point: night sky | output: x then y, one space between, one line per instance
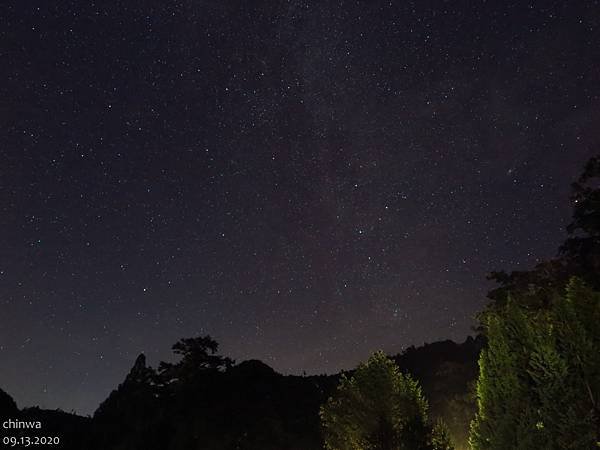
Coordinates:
307 182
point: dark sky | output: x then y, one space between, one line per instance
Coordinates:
305 181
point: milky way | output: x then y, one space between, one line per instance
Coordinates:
305 181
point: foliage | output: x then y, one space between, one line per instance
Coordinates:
578 256
440 437
447 373
197 355
582 248
539 377
249 406
379 408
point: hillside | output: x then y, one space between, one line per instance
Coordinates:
247 406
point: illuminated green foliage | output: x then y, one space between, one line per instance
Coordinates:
539 378
379 408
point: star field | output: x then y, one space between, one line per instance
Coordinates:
305 181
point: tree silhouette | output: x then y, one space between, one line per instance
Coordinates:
197 355
539 377
578 256
582 248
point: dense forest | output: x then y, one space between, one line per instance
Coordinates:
529 380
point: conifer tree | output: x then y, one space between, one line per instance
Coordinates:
539 378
